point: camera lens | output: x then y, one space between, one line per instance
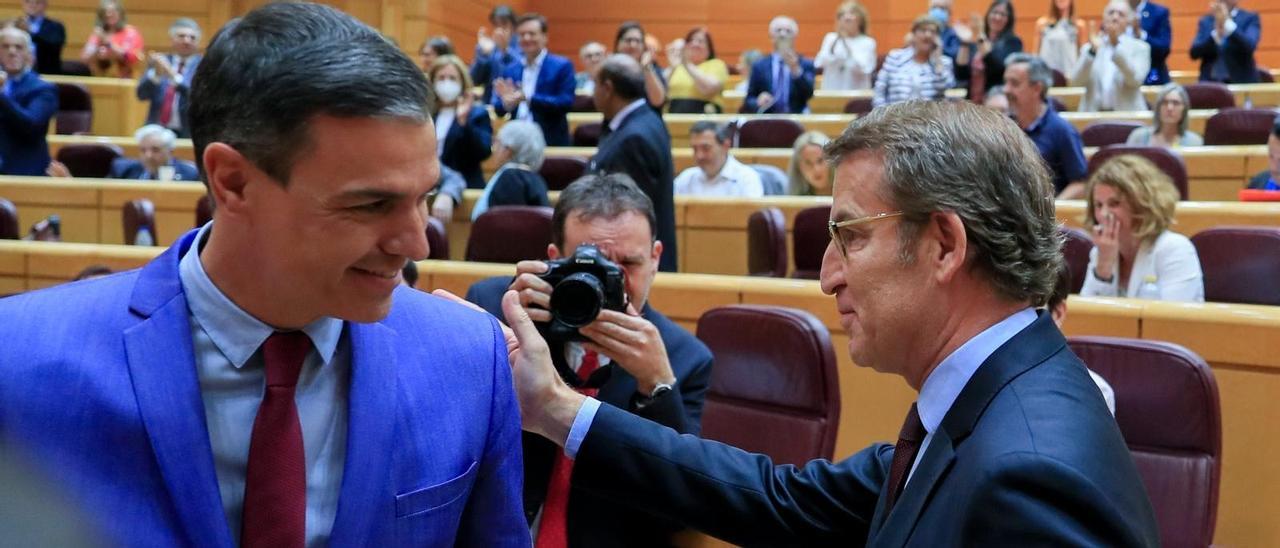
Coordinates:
577 299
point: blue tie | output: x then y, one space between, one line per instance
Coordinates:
782 86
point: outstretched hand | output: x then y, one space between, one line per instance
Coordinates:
547 405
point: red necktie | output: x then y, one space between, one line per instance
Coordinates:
554 529
170 94
904 453
275 491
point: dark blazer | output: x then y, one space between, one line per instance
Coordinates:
519 187
641 148
1155 21
128 168
993 62
24 122
600 522
552 97
466 147
49 43
1236 50
1027 455
154 93
762 81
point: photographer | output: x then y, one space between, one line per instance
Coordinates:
661 371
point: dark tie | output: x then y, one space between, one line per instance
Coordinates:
904 453
170 96
554 529
275 491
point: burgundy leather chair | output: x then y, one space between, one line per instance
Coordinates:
559 171
1168 162
1101 134
1075 250
9 220
861 105
76 68
204 210
1059 79
89 159
809 238
1239 126
510 234
75 110
1265 77
1167 408
1210 95
437 240
767 243
774 389
1241 264
583 103
587 135
769 133
137 214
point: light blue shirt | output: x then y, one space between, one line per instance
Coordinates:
229 366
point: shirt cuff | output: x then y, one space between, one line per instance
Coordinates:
581 425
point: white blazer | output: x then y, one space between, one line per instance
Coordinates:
1171 259
1132 61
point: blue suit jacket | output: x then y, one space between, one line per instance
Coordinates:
466 147
128 168
1236 50
49 43
1027 455
154 92
762 81
24 122
103 393
1155 21
641 148
552 97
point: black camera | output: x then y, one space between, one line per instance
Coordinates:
582 285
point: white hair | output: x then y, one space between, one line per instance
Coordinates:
167 137
26 36
185 23
524 140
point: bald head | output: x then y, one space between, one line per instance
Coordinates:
624 75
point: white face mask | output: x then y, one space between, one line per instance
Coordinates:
448 90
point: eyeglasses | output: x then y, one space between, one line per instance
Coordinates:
833 228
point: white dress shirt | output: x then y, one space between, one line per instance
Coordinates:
444 121
735 179
529 84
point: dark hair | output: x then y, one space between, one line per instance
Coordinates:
531 16
600 197
624 74
711 47
439 44
410 273
92 271
1275 128
502 12
1008 27
623 29
723 132
1056 14
265 76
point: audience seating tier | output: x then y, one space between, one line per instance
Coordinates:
1241 264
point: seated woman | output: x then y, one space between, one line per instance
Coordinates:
1169 122
847 56
115 48
464 133
630 40
918 71
1113 65
518 149
1129 208
808 173
698 79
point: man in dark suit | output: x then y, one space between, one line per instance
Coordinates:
48 36
1009 442
661 373
782 82
635 141
1225 41
27 103
540 87
167 82
1151 24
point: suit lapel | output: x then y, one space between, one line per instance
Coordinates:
894 528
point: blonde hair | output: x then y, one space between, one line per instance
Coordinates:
458 64
796 183
856 9
1149 192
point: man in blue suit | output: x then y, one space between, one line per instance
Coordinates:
1152 25
48 36
268 381
782 82
1225 41
540 87
1009 442
167 82
27 103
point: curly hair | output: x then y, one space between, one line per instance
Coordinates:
1148 191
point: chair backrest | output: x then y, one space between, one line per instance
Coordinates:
1059 79
769 133
583 103
587 135
437 240
774 389
510 234
89 159
1075 250
772 178
809 239
9 220
1168 162
767 243
48 229
136 215
559 171
1241 264
1265 77
1101 134
1239 126
1167 409
75 110
860 105
76 68
1210 95
204 210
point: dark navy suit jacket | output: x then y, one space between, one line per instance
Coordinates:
600 522
49 43
466 147
762 81
1155 21
128 168
1236 50
641 148
154 92
552 97
24 122
1027 455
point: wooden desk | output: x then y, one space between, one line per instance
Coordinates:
183 148
91 208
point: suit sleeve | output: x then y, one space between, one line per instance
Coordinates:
1161 37
755 86
476 143
802 86
1203 45
31 119
559 99
496 101
1245 39
147 89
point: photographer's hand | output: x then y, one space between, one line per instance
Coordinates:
634 344
535 293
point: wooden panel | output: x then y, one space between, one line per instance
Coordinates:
1193 217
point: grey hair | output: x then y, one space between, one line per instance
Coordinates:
167 136
185 23
1037 70
31 46
976 163
796 183
525 141
1186 107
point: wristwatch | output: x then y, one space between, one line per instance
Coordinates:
659 390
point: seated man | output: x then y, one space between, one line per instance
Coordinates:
661 372
718 173
592 55
27 103
167 81
1026 85
1270 178
156 162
